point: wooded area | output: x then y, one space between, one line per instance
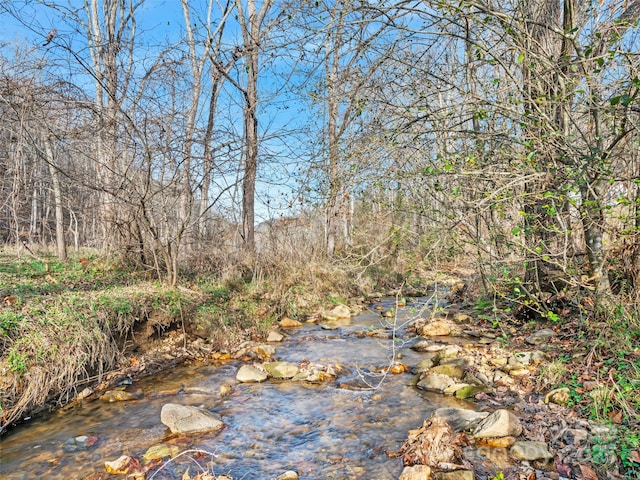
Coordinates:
391 133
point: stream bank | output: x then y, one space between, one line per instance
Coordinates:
374 381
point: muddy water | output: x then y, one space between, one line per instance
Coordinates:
320 431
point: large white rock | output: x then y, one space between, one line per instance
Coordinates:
435 382
187 419
250 374
501 423
528 450
458 418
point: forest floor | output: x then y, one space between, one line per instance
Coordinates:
71 330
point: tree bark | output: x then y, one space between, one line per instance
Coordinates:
61 243
251 23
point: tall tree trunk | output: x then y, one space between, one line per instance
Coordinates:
332 64
593 228
251 24
57 196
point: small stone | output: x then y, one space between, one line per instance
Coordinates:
475 379
286 322
330 326
281 369
74 444
436 328
513 363
87 392
451 389
449 370
519 372
435 382
540 337
463 318
117 396
499 361
397 368
458 419
527 450
528 358
422 345
559 396
263 351
575 436
416 472
288 475
461 362
250 374
274 336
339 312
501 423
425 364
189 419
498 442
225 390
456 475
450 351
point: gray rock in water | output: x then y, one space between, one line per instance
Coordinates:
501 423
425 364
187 419
288 475
422 345
250 374
435 382
540 337
459 419
530 451
281 369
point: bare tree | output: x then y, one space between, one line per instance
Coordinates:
252 26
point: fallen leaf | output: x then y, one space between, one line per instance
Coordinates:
588 473
123 465
615 416
10 300
635 456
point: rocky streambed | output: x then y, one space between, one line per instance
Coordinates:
396 391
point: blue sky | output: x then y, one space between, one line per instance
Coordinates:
160 22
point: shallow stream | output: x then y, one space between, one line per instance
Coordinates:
321 431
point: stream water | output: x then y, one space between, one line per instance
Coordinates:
321 431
